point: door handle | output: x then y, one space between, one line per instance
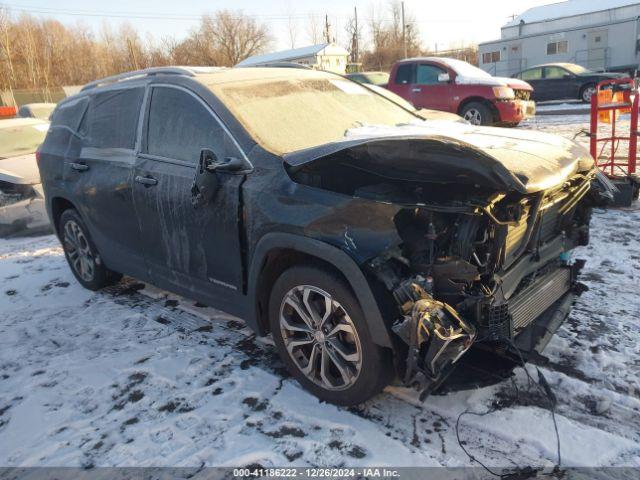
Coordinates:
416 90
80 167
146 181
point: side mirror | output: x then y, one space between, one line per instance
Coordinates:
444 78
207 160
229 164
205 183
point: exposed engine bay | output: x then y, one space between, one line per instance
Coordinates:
477 264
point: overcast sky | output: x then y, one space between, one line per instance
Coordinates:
442 22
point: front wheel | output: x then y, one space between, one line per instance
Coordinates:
477 113
81 253
321 335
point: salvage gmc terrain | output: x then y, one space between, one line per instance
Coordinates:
368 241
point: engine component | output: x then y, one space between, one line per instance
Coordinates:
436 335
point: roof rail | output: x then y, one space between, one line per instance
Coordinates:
276 65
187 71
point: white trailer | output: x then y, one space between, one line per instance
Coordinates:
599 35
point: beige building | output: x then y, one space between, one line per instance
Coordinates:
325 56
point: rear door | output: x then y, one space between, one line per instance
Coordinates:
427 91
195 251
98 172
402 80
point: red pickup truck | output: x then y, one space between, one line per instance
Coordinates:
459 87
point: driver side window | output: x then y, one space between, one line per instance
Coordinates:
554 72
428 74
180 126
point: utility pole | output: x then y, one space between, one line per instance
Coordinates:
404 35
327 37
355 36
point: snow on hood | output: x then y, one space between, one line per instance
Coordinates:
21 170
494 82
539 160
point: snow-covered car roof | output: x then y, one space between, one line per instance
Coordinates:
467 74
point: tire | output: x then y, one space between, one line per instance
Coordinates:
477 113
368 367
81 253
587 92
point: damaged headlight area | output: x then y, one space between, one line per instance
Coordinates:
482 272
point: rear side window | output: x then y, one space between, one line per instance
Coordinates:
404 74
112 118
69 114
179 125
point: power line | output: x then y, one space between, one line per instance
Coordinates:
191 17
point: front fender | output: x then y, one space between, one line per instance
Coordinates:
334 256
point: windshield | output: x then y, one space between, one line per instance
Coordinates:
21 139
575 69
292 110
465 69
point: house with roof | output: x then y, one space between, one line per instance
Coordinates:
324 56
601 35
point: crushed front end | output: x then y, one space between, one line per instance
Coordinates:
470 235
496 274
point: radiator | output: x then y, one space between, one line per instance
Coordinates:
508 319
531 302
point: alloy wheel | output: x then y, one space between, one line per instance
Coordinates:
473 116
320 337
79 251
588 93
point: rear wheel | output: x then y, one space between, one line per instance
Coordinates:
321 334
587 92
81 253
477 113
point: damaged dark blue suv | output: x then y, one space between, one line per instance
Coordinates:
368 241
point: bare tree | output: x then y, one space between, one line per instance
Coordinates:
354 37
236 36
8 80
292 25
315 28
44 53
387 38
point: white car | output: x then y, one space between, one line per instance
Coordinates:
21 199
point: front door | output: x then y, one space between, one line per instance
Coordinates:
533 76
557 82
429 90
191 250
99 172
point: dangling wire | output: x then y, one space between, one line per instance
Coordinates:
542 385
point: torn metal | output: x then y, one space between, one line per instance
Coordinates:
434 332
482 246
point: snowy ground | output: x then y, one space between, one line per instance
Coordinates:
133 377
